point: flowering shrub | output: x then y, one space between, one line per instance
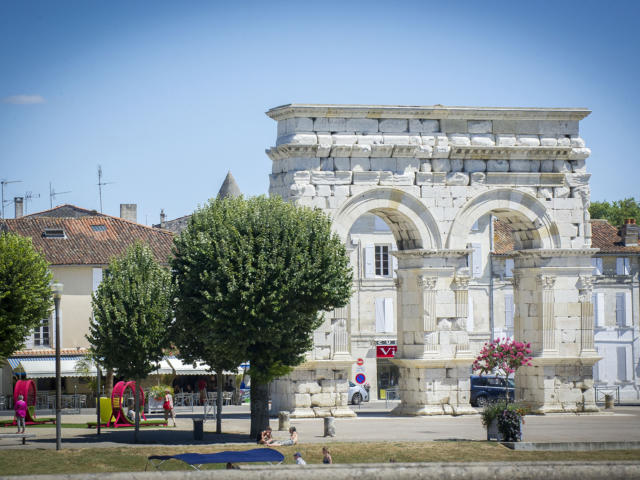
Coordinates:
509 425
502 355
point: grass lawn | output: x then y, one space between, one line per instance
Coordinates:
21 461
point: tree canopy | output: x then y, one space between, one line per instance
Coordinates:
25 291
617 211
252 277
132 313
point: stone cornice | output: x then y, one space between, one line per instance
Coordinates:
421 253
425 112
557 252
510 153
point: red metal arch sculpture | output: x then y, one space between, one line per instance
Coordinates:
26 388
121 392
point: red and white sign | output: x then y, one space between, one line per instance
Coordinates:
386 351
360 361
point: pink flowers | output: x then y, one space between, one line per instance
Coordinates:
502 354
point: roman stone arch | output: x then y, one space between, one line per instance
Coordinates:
412 224
528 217
430 173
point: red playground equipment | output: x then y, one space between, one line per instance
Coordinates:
122 404
27 388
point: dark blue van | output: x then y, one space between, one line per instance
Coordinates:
489 388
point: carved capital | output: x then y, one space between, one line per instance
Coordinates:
585 287
546 281
427 282
460 283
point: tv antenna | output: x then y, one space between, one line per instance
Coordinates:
28 196
6 182
101 184
53 194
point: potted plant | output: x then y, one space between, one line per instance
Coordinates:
503 419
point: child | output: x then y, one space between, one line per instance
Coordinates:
167 406
21 412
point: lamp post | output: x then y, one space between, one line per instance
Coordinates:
57 294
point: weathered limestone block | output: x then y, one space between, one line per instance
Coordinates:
577 179
505 140
323 178
308 387
423 151
302 190
528 140
370 139
519 165
384 163
429 140
476 178
324 124
454 125
322 400
328 385
341 150
366 178
545 192
341 163
340 190
357 189
423 126
548 141
323 190
382 151
579 153
393 125
479 126
561 166
561 192
425 165
534 165
295 164
342 386
343 178
546 166
457 178
343 139
577 142
459 139
441 152
407 165
302 400
579 166
474 166
564 141
361 150
326 164
424 178
456 164
360 164
362 125
386 178
497 165
485 140
298 139
337 201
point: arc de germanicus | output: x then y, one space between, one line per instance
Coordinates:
430 173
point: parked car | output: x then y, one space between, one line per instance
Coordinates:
489 388
357 394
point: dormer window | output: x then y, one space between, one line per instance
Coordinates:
54 233
99 228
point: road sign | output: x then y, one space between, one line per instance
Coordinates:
360 378
360 361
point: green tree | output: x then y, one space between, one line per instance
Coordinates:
252 277
132 313
617 211
25 292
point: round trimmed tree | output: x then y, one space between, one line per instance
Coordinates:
252 279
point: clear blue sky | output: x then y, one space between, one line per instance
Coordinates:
168 96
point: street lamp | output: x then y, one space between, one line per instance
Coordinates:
57 294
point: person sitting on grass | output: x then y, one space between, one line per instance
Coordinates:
299 459
265 437
293 438
326 456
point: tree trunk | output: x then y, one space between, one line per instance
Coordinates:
108 383
259 407
136 395
219 404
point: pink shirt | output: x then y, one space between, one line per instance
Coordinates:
21 408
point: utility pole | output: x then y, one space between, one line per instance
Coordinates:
101 184
53 194
6 182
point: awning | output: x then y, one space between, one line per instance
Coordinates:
164 368
182 368
45 367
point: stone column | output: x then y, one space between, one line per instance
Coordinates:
460 287
428 285
548 324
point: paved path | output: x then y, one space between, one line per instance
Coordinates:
372 424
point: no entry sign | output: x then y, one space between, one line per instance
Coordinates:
360 361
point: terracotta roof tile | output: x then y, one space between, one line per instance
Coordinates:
83 245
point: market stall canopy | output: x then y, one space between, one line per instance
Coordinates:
164 368
182 368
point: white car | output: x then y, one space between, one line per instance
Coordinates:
357 394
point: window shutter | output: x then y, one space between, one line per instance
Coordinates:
620 307
476 260
627 266
599 310
619 266
470 320
508 267
394 264
597 377
627 310
97 278
380 315
369 261
388 315
621 355
508 311
597 265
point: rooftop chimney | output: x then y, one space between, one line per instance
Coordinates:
163 217
630 232
19 204
129 211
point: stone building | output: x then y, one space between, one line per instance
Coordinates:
437 176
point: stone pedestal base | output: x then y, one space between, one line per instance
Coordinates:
434 387
558 384
314 389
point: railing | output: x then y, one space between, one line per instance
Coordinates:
602 390
390 394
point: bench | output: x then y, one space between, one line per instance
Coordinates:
24 436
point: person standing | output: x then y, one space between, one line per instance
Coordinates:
299 459
21 413
167 406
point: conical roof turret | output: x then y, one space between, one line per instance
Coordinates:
229 187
